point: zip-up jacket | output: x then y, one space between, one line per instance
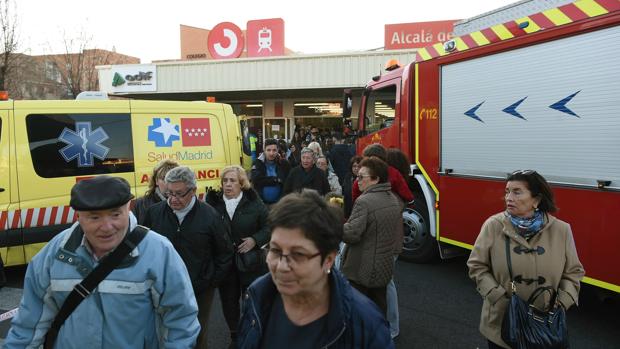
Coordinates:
146 302
202 240
353 321
259 176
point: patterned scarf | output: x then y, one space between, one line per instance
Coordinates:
527 227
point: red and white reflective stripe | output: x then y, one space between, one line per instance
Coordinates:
37 217
42 216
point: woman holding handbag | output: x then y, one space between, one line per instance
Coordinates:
524 251
247 216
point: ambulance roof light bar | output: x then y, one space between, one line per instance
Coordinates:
91 95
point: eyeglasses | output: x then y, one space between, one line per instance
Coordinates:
360 177
293 259
169 194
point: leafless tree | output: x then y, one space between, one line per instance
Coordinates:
9 41
77 63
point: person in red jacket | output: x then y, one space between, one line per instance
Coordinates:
399 184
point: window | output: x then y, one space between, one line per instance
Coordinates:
330 108
380 109
63 145
248 109
51 71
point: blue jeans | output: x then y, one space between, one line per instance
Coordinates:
338 261
392 307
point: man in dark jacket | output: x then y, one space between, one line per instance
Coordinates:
307 175
198 233
340 156
269 172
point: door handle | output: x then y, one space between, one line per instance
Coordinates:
1 190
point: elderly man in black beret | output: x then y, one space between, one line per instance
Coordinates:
199 233
146 301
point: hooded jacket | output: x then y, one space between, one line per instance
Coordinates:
146 302
549 257
353 321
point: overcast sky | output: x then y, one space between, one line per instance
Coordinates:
149 30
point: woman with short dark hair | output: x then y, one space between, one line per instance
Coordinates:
369 233
397 180
542 252
303 302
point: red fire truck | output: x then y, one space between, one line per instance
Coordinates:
540 92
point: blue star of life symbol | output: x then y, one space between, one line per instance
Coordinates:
83 144
163 133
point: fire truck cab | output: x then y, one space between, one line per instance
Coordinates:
538 92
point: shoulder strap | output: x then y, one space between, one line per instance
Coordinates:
509 262
84 288
508 258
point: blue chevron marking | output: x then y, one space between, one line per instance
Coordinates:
472 112
512 109
561 105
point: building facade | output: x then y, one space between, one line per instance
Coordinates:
59 76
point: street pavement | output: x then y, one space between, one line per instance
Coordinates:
439 308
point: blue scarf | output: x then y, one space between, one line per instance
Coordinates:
527 227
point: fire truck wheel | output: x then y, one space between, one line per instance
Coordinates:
419 246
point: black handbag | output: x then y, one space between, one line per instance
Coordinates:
526 327
249 261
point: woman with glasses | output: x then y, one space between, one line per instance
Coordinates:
247 216
369 233
542 253
303 302
156 190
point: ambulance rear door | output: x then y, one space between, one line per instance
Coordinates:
11 250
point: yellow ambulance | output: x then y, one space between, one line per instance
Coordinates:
46 146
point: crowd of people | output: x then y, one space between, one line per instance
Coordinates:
302 252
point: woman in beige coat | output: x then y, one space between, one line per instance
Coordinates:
542 250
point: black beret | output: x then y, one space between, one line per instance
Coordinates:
100 193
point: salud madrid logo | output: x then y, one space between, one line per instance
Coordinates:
192 132
83 144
